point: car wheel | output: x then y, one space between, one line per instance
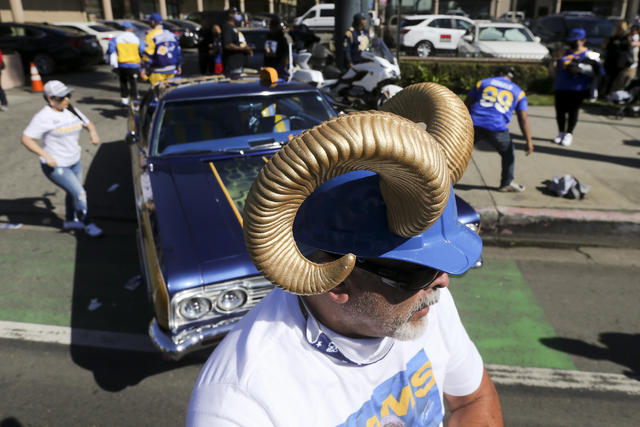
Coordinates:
44 63
424 49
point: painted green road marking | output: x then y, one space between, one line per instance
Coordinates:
52 278
503 317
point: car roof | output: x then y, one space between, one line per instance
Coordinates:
498 24
214 86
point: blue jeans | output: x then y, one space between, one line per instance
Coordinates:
501 141
69 178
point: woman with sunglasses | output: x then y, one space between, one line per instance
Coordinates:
58 124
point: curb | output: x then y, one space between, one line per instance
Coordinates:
560 226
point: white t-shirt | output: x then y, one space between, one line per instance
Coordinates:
60 131
266 373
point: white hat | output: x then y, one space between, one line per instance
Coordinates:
56 88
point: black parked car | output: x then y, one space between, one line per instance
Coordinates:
191 31
49 47
553 29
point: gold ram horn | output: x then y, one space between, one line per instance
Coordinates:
446 117
414 183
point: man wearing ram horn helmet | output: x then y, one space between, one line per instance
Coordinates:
355 222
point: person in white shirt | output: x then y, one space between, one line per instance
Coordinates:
58 124
355 222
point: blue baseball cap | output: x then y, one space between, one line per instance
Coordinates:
576 34
155 17
128 25
359 16
347 214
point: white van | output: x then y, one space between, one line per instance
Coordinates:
318 17
321 17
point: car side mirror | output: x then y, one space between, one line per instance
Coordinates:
468 37
537 39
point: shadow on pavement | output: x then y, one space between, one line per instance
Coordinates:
31 211
10 422
568 152
104 267
631 142
474 187
620 348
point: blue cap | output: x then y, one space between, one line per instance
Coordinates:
155 17
128 25
358 16
348 215
576 34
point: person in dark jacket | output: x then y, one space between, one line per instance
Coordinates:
618 56
276 48
209 47
233 52
355 41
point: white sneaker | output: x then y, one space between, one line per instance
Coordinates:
513 187
567 139
124 101
558 139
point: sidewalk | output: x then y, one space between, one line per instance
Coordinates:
605 154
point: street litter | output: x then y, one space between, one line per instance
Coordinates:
113 187
94 304
567 186
9 226
133 283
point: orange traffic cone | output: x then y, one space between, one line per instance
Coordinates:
36 81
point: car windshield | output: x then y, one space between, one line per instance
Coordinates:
593 28
219 124
100 28
503 34
379 48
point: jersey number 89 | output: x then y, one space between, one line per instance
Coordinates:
500 99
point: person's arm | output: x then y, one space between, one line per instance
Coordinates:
93 133
480 408
33 146
348 61
523 122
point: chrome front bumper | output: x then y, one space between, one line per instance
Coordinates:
176 346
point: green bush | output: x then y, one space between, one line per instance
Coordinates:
461 76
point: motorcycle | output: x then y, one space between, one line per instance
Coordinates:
366 85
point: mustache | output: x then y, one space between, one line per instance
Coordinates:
431 298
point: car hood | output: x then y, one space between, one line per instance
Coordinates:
199 203
501 49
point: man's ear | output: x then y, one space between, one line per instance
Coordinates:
339 294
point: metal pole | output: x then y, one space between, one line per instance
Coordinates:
106 10
398 30
199 6
17 11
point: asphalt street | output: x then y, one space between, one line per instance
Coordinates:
557 326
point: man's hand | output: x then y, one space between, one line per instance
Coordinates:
529 148
143 75
179 71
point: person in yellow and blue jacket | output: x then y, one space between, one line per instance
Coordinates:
162 55
127 48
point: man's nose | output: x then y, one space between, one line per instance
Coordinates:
442 281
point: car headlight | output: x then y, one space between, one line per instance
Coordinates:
194 308
473 226
231 299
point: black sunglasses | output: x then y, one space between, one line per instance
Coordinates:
398 275
60 98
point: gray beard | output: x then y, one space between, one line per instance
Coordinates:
407 330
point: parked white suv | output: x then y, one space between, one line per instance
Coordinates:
437 33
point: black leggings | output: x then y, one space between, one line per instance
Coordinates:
568 104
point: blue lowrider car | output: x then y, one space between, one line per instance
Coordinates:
196 147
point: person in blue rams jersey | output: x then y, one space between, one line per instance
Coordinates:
162 57
355 41
491 103
355 221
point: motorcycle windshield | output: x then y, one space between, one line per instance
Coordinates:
379 48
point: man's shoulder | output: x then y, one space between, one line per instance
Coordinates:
256 344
